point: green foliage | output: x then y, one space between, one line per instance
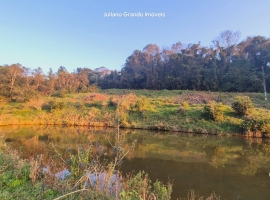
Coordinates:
178 68
183 108
130 195
50 194
242 105
162 191
139 187
80 105
165 110
111 102
80 161
24 95
214 111
7 161
93 88
123 119
256 124
3 101
139 183
94 113
57 105
14 173
125 103
187 70
185 104
143 104
24 172
60 94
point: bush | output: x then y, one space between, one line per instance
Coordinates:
214 111
24 95
123 103
126 102
60 94
258 124
94 113
143 104
185 104
96 97
162 191
242 105
57 105
3 102
35 104
139 187
183 108
93 88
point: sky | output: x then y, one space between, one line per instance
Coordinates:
73 34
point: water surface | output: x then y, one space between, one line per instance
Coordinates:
235 168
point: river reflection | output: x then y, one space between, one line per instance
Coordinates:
234 168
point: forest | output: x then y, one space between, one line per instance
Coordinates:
226 66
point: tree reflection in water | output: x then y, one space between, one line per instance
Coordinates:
216 155
237 164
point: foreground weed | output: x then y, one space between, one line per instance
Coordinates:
191 196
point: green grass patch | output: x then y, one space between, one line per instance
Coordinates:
150 109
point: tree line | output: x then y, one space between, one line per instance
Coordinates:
225 66
19 83
228 65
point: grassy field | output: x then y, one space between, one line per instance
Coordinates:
167 110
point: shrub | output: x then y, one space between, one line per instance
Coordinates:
94 113
96 97
123 119
256 124
214 111
24 95
3 101
162 191
35 104
113 101
183 108
60 94
185 104
104 104
139 187
124 103
242 105
143 104
93 88
57 105
80 105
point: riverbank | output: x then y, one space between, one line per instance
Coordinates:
180 111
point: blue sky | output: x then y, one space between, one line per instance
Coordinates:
69 33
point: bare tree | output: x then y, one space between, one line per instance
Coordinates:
14 71
227 38
177 47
